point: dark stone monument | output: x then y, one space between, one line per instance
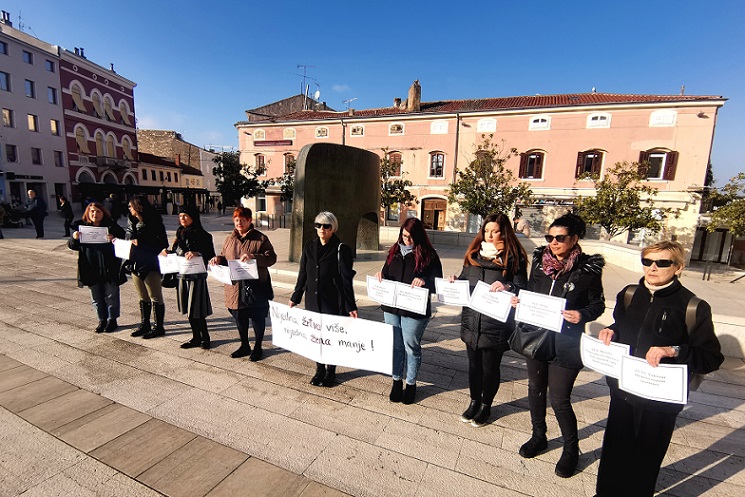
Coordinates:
339 179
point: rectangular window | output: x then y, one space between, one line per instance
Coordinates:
35 155
175 177
49 65
531 165
4 81
54 126
59 159
152 174
11 153
589 162
162 176
33 123
52 95
3 48
168 176
8 118
261 202
437 166
28 57
30 88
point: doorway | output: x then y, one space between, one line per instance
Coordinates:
433 213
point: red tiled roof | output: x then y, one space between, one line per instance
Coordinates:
504 103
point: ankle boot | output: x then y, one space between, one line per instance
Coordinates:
101 326
534 446
258 352
204 333
196 338
409 394
111 325
330 377
158 330
471 411
482 416
568 461
245 348
144 327
397 391
320 373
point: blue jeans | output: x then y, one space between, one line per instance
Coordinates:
407 345
105 300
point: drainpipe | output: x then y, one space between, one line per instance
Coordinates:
343 132
457 138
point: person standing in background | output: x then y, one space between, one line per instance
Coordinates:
36 208
66 211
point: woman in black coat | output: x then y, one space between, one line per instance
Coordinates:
325 277
495 257
148 235
98 268
66 211
561 269
192 294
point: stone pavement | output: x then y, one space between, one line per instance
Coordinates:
108 414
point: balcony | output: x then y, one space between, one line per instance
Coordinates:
111 163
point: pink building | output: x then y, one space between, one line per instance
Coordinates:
559 137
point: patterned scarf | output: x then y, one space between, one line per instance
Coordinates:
553 267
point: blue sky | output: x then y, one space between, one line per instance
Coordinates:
199 65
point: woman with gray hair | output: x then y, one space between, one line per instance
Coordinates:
325 276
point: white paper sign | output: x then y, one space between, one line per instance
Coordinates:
221 274
605 359
456 293
195 265
541 310
382 292
168 263
411 298
493 304
339 340
93 234
248 270
122 248
665 383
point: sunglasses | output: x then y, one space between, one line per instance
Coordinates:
559 238
322 225
661 263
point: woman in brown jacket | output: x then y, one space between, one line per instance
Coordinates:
248 299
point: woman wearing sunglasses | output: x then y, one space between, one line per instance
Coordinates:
561 269
411 260
325 277
654 324
495 257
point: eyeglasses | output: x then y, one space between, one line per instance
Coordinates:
322 225
661 263
559 238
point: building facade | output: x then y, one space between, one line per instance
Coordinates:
558 138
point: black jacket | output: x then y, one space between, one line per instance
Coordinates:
658 320
96 261
477 330
402 269
325 281
582 287
193 239
66 211
151 240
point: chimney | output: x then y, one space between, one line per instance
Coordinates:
177 159
77 51
397 102
111 67
414 102
351 112
82 52
682 89
6 19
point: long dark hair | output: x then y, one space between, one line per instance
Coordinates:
145 209
512 248
423 248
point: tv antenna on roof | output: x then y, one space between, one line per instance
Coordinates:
348 101
303 86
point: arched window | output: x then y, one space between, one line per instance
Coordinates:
96 100
436 165
322 132
260 164
110 146
77 98
100 151
124 111
486 125
395 160
396 129
531 165
289 133
107 108
81 139
127 148
259 134
663 118
289 163
540 123
659 163
598 120
589 162
357 130
438 128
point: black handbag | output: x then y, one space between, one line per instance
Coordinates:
169 280
533 341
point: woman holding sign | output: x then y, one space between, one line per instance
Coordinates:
248 300
561 269
411 260
662 322
192 294
325 277
98 268
495 257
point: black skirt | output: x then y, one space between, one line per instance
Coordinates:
193 297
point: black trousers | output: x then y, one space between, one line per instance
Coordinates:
242 318
559 382
39 225
68 225
483 373
634 445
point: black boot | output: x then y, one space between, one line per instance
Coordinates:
535 445
258 352
330 377
196 338
397 391
205 334
482 416
245 348
320 373
144 327
568 460
471 411
409 394
538 441
101 326
160 314
111 325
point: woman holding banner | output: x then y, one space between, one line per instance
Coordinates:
561 269
248 300
192 294
411 260
98 268
495 257
652 318
325 277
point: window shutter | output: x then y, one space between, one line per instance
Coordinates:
523 171
597 162
538 171
643 163
580 160
671 164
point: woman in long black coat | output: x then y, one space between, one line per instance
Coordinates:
98 268
325 277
